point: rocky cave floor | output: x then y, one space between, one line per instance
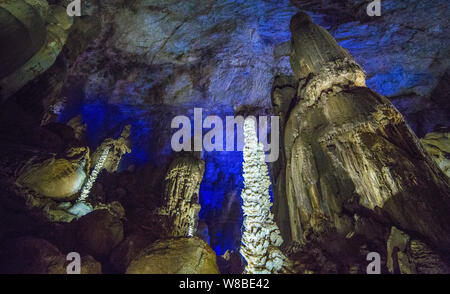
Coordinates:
143 62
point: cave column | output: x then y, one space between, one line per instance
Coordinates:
261 237
347 149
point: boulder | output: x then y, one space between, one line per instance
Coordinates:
412 256
40 57
57 178
98 233
175 256
22 34
437 144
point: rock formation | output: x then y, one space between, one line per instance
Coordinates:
351 178
348 155
39 31
182 184
261 237
107 156
78 127
116 149
58 178
409 256
437 144
175 256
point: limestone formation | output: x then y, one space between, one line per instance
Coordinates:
175 256
182 184
346 149
78 127
117 148
437 144
22 34
57 178
108 157
410 256
98 233
260 238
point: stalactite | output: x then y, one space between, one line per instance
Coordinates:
261 237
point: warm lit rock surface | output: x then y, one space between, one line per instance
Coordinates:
22 34
128 249
182 184
143 62
407 256
405 52
57 25
57 178
349 155
175 256
437 144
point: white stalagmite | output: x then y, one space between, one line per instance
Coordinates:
97 169
107 156
81 207
261 236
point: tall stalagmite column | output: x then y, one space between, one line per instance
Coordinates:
261 237
348 153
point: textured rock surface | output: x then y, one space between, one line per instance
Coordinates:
98 233
216 52
261 237
437 144
143 62
22 34
123 254
175 256
57 178
181 195
349 152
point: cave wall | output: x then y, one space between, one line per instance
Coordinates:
144 62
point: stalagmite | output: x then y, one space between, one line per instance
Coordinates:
107 156
97 168
346 149
261 237
182 184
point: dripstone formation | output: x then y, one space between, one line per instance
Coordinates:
182 184
261 237
350 166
